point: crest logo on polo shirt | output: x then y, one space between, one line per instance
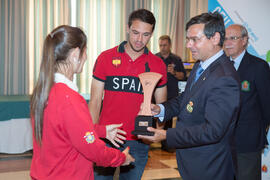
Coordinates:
89 137
116 61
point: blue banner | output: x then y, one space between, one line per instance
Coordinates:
238 12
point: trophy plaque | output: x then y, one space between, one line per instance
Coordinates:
145 118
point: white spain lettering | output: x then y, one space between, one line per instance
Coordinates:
139 87
132 85
116 83
125 81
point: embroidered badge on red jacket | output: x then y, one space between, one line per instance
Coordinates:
89 137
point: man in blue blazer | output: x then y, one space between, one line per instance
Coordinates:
207 110
254 115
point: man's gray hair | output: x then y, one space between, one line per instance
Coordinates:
244 33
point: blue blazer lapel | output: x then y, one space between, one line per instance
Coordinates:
200 82
206 74
244 64
192 76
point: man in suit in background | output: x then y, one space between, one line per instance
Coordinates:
175 72
207 110
254 115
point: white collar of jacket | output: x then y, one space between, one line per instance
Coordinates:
60 78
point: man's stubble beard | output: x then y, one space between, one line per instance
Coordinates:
134 48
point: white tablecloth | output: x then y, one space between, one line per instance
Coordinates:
15 136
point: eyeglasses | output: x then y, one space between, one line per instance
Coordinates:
233 38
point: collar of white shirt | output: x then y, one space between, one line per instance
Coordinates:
210 60
238 60
60 78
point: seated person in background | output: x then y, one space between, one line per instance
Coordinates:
65 141
175 73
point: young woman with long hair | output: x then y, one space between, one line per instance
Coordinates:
65 141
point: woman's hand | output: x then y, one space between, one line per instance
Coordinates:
129 158
115 135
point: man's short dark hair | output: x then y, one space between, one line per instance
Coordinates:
166 37
213 22
143 15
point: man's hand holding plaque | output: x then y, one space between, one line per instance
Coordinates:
157 134
145 118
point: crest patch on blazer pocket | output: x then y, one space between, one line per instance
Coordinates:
190 107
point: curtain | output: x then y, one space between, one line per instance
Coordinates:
105 23
13 61
43 17
193 8
196 7
169 16
25 24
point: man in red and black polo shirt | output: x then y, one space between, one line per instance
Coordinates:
115 76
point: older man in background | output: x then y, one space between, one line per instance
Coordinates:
254 115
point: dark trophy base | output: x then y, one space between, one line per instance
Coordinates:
141 124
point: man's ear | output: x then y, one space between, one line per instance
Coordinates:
216 38
245 41
127 29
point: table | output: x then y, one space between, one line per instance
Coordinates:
15 125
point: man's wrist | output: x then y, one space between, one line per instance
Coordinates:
160 116
164 134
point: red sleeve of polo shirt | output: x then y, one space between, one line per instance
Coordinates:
79 129
163 71
100 65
